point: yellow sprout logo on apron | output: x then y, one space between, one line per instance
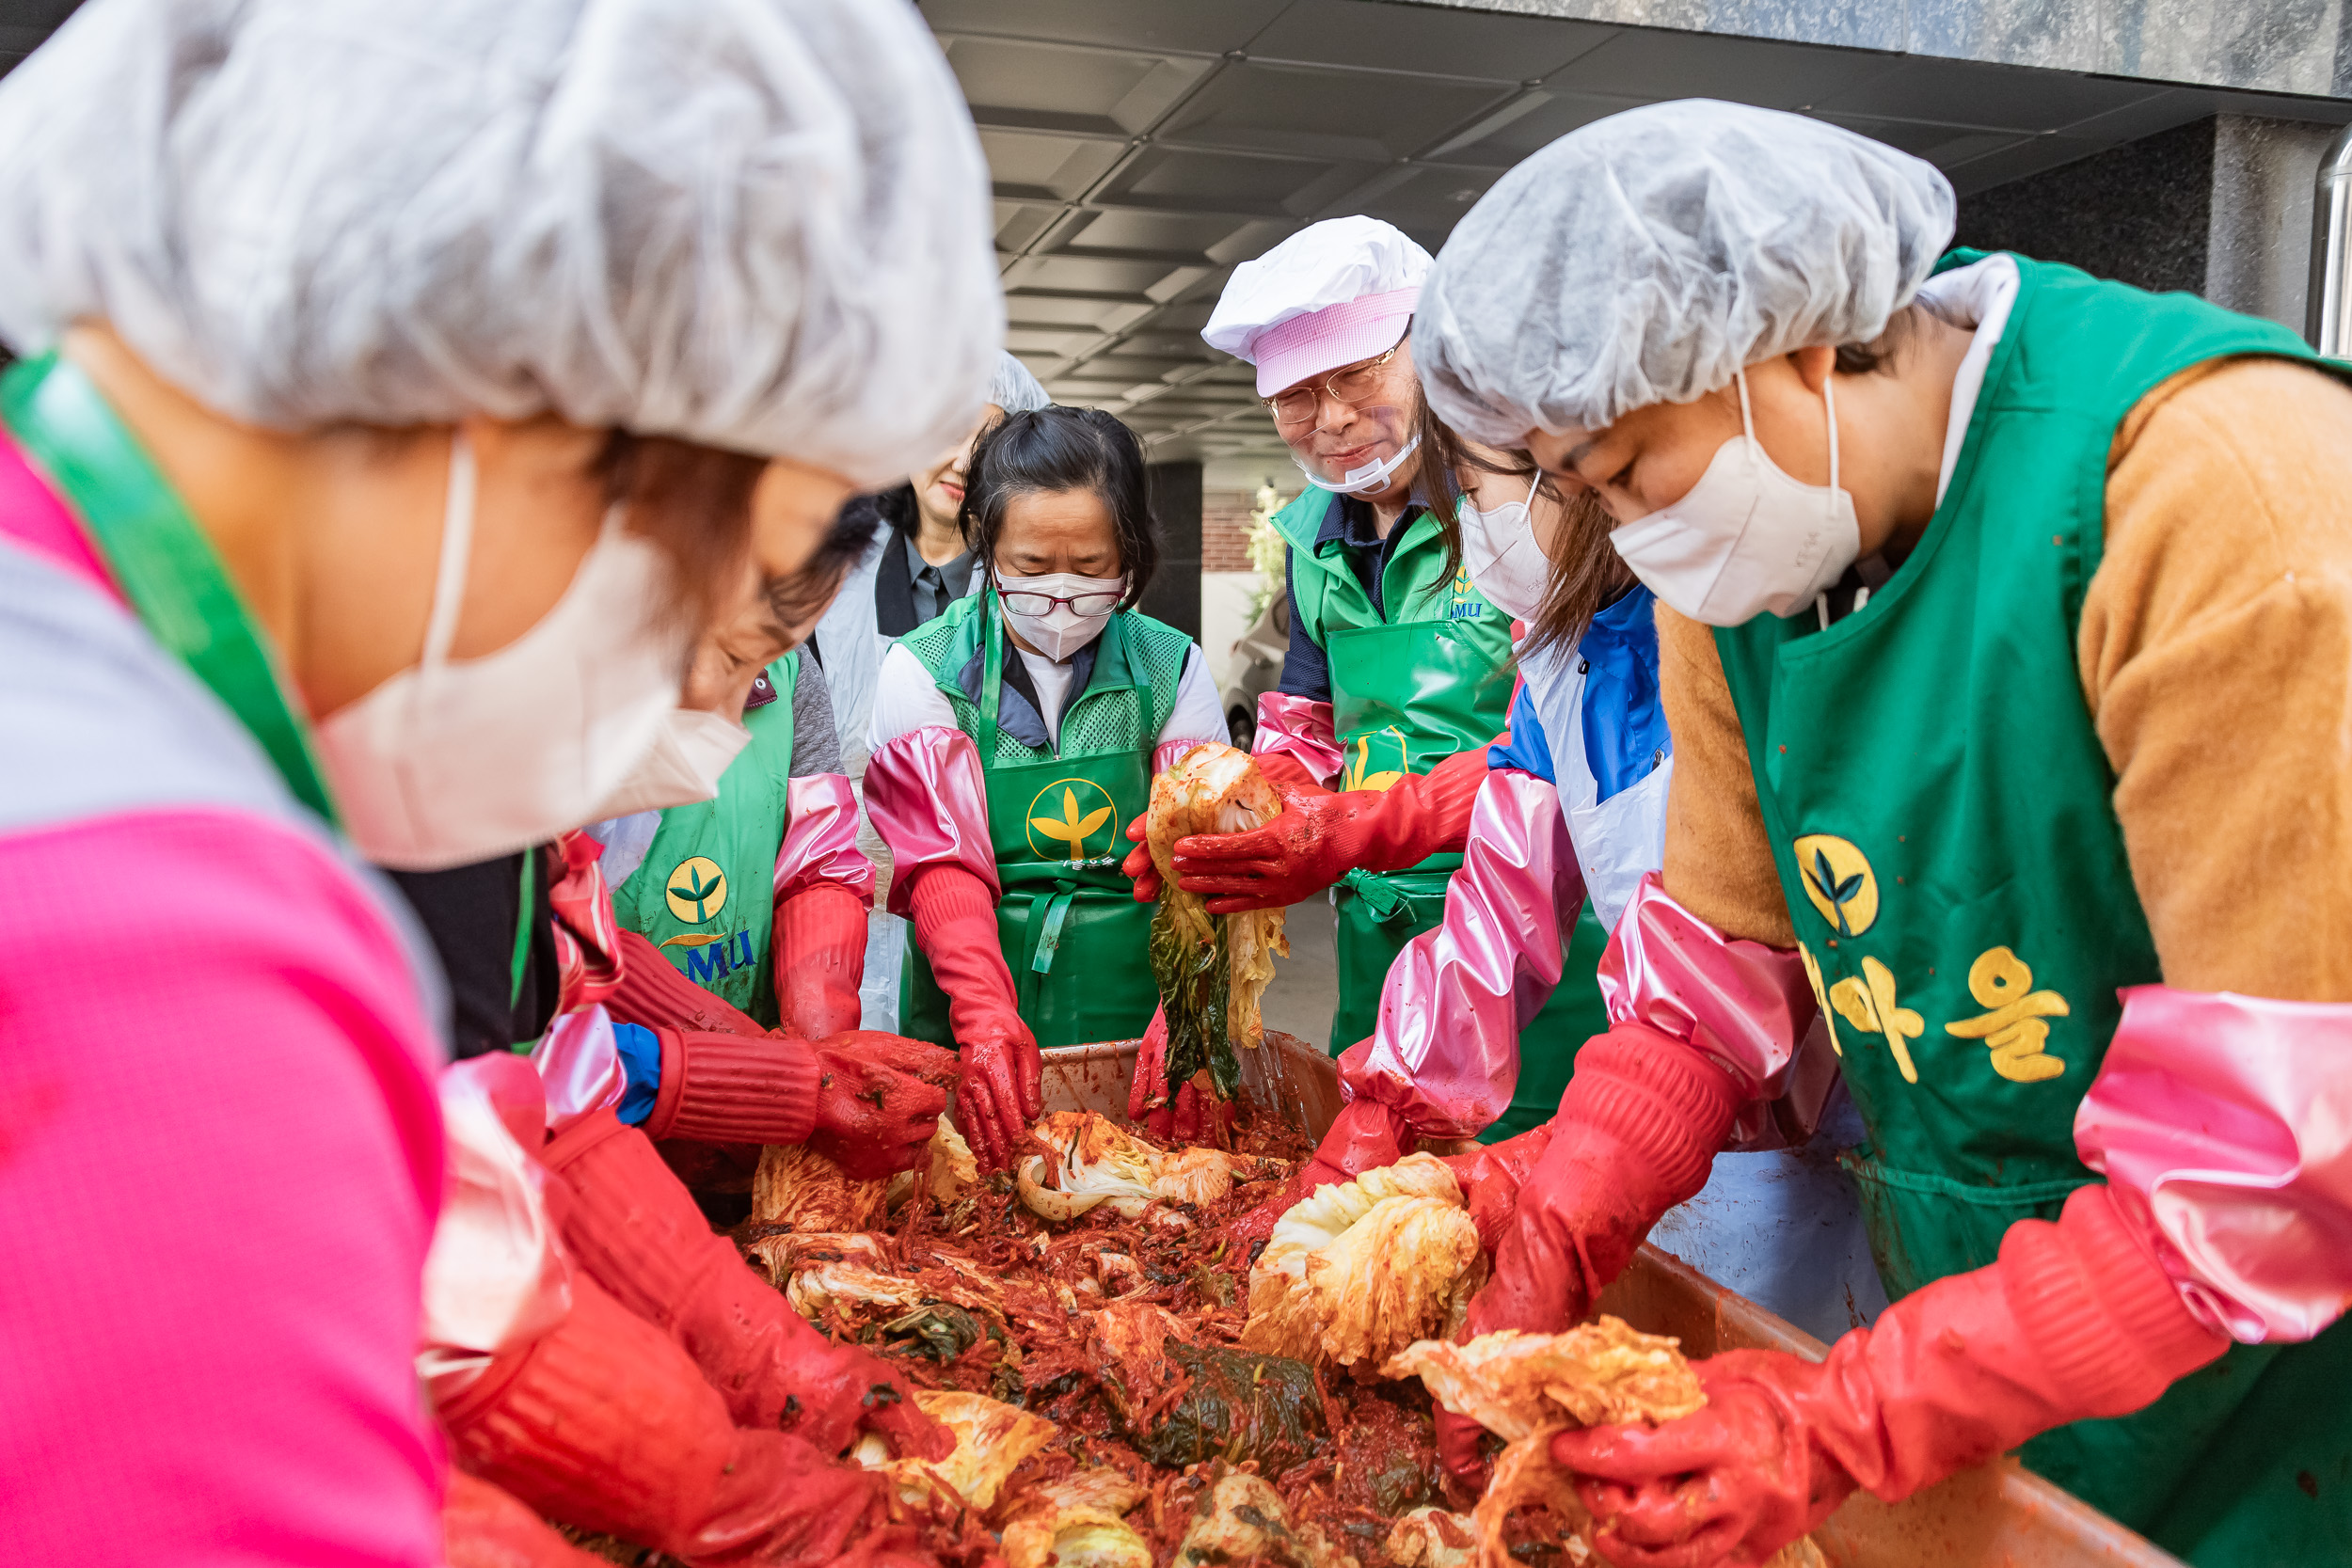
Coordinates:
1067 818
1838 880
1376 761
697 890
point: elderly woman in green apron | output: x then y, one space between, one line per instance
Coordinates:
739 912
1399 672
1011 739
2003 627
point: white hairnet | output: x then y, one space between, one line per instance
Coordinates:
1015 390
1648 257
757 223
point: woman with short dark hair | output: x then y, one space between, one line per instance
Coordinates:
1012 739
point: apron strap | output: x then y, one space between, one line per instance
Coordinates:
1049 938
1380 897
992 676
160 559
1041 938
527 909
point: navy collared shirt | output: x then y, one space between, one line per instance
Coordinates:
1306 672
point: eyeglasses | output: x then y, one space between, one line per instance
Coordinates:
1350 385
1022 602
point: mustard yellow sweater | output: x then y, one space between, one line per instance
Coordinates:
2216 658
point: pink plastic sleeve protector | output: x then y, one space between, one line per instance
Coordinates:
1164 755
1444 1054
587 938
2225 1122
925 797
821 839
580 1065
1741 1004
495 1277
1300 727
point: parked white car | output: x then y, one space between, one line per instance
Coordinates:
1255 666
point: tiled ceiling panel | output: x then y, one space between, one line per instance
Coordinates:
1009 82
1027 164
1320 113
1142 149
1195 27
1181 179
1649 64
1186 236
1413 40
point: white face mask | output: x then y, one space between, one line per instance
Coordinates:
1500 552
1063 630
446 763
1748 538
690 750
1366 477
1391 428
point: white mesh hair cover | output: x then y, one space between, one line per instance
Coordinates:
1648 257
1015 390
757 223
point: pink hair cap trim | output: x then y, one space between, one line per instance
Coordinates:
1290 352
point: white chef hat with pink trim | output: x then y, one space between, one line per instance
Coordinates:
1334 292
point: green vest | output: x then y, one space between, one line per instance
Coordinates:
1408 688
1431 678
1940 813
1073 934
704 894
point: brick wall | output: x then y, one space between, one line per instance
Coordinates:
1225 530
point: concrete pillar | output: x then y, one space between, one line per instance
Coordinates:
1174 596
2221 207
2257 249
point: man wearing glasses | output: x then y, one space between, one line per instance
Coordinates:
1399 671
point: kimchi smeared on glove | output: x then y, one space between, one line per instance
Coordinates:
1211 968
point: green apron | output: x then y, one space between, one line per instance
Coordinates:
1940 812
1074 935
704 894
1409 688
162 561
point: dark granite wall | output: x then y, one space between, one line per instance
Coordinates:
1174 596
2138 213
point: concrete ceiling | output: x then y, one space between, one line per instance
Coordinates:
1142 148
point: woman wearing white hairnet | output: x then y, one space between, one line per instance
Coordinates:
2006 630
395 387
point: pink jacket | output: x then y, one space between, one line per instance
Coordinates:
220 1149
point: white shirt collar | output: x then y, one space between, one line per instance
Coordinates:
1980 294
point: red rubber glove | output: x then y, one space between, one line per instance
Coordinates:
483 1527
1002 1091
727 1088
1636 1134
1364 1136
879 1100
654 993
1191 1116
820 956
1291 787
1319 838
604 1424
1287 774
1492 1177
2076 1320
631 1224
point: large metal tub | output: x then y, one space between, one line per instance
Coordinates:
1997 1515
